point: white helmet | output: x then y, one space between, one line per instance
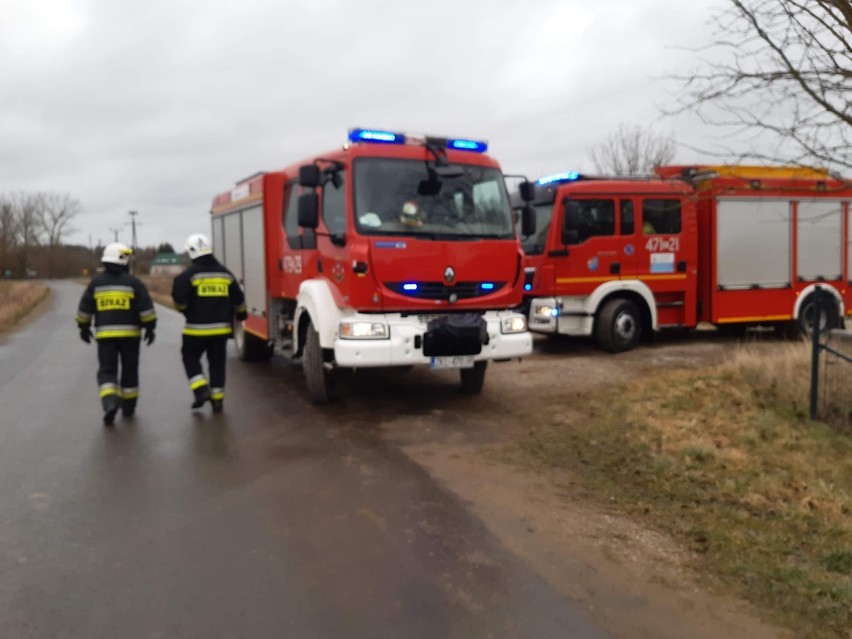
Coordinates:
117 253
198 245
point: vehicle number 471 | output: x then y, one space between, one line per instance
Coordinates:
659 243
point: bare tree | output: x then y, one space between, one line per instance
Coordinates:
633 150
25 208
55 212
781 69
8 235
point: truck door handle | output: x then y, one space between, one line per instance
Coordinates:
615 268
681 266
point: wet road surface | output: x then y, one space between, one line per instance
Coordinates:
269 520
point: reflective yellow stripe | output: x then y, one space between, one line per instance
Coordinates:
206 332
131 395
646 278
146 320
181 307
198 384
577 280
217 395
755 318
84 321
112 390
122 333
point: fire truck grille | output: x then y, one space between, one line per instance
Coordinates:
441 291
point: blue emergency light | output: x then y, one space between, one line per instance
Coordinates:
527 287
379 136
487 286
376 136
409 286
569 176
477 146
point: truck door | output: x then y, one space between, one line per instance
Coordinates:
627 237
589 235
662 258
296 244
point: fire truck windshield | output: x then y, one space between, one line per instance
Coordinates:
409 197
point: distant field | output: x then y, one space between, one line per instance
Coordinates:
17 299
160 288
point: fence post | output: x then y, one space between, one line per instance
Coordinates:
817 315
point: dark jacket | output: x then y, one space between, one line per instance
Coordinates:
208 294
118 302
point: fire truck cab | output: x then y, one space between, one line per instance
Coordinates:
396 250
732 246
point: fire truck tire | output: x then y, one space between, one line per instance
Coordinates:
828 318
472 379
317 378
249 347
619 326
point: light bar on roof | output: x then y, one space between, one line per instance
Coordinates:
379 136
376 136
560 177
477 146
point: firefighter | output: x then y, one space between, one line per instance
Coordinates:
208 294
122 308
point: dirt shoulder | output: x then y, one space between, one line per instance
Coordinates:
636 581
21 301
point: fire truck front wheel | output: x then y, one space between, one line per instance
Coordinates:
317 376
472 379
619 326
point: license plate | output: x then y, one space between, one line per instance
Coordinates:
452 361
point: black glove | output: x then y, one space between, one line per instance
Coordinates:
149 337
86 334
241 316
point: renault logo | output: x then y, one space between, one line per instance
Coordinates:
449 274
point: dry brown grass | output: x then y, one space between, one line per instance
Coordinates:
17 299
725 460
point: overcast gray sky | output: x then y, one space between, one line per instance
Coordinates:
156 106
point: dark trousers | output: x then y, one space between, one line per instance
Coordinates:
216 349
115 353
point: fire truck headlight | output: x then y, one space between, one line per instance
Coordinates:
516 324
546 311
363 330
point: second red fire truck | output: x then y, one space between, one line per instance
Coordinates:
734 246
396 250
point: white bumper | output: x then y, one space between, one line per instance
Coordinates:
400 349
564 315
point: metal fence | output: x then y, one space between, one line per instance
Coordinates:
831 367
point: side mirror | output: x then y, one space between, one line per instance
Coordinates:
570 236
528 221
527 191
309 210
310 176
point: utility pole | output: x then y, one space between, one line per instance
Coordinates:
133 215
115 232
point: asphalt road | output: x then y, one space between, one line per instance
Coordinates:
269 520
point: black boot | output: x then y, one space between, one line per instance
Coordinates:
111 404
217 405
128 407
201 395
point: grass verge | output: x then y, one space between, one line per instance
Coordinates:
17 299
724 460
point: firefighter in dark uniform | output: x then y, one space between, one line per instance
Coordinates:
122 309
210 297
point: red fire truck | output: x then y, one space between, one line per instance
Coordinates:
395 250
734 246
